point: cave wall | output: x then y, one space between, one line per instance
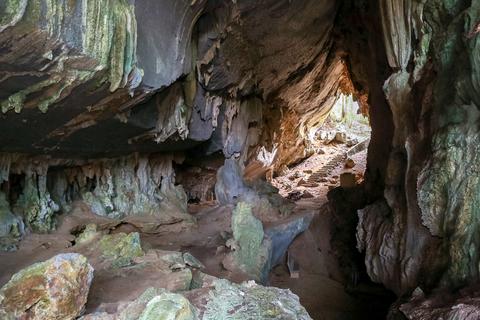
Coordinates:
422 229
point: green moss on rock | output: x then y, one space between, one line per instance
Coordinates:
251 252
169 306
36 204
56 289
120 249
250 301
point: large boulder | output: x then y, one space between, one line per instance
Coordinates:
250 253
257 250
55 289
249 301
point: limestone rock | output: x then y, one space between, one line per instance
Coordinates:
202 280
250 301
250 253
257 251
163 259
340 137
281 234
88 234
191 261
463 305
230 185
120 249
11 226
376 237
56 289
169 306
126 310
349 163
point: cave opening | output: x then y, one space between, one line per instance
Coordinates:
338 157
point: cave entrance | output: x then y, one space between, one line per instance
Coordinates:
338 153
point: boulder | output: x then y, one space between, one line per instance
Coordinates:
55 289
88 234
169 306
250 254
250 301
125 310
282 234
230 185
120 249
153 304
255 250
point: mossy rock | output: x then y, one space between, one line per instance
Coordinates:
169 306
249 301
56 289
120 249
251 251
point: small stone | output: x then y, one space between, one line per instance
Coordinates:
55 289
340 137
162 259
307 195
191 261
302 182
349 163
352 142
320 151
88 234
308 171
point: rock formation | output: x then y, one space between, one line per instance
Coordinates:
105 102
54 289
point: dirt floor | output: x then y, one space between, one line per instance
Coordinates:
320 285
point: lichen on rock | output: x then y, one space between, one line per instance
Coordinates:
83 38
250 252
120 249
35 203
169 306
250 301
56 289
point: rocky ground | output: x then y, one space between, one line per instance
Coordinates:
126 260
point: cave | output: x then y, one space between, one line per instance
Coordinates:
239 159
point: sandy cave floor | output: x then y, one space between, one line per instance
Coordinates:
321 286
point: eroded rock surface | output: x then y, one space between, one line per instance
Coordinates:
221 300
54 289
